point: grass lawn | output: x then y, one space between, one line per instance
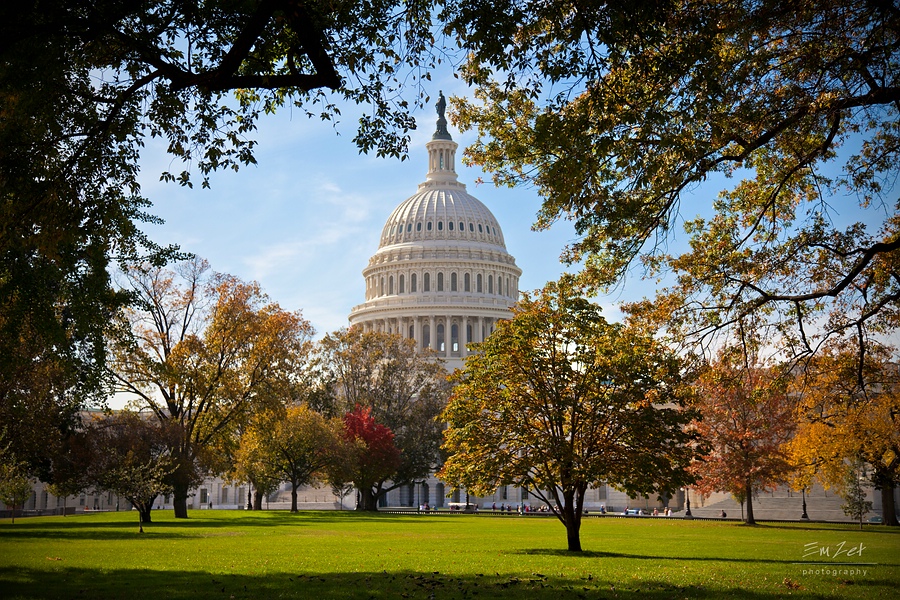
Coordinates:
236 554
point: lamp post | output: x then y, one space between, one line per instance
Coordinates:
804 515
687 512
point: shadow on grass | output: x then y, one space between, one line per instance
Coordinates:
200 524
650 557
23 584
848 527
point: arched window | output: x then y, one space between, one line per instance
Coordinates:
450 225
440 283
468 332
479 228
453 282
419 226
412 283
478 283
408 227
381 290
440 338
426 282
402 284
439 495
412 332
472 227
426 336
440 225
462 226
490 284
454 338
391 285
499 285
467 283
428 226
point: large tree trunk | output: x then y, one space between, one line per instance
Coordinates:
572 505
179 499
368 501
293 497
144 511
749 493
257 500
573 535
888 507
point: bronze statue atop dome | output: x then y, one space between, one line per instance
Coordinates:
441 133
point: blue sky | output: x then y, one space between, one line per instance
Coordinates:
306 219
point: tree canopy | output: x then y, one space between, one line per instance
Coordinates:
746 420
296 444
204 352
404 388
622 115
84 85
849 413
557 399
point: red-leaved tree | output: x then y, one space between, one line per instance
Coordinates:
372 457
747 418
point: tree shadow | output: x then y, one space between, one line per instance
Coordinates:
138 584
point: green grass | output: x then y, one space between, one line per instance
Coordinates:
330 555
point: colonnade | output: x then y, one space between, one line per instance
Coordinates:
447 334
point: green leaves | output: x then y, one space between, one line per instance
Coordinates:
618 131
557 399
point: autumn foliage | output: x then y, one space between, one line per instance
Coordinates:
747 418
373 458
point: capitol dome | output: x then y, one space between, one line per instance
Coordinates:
441 274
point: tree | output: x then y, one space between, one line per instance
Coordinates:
249 465
373 457
557 399
854 492
15 484
616 112
849 411
204 353
296 446
746 419
404 388
84 84
133 459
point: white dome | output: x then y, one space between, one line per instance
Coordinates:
442 214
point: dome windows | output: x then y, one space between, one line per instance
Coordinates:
462 226
472 227
428 226
440 225
419 226
479 228
450 225
408 227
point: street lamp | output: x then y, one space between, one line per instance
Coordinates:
804 515
687 512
